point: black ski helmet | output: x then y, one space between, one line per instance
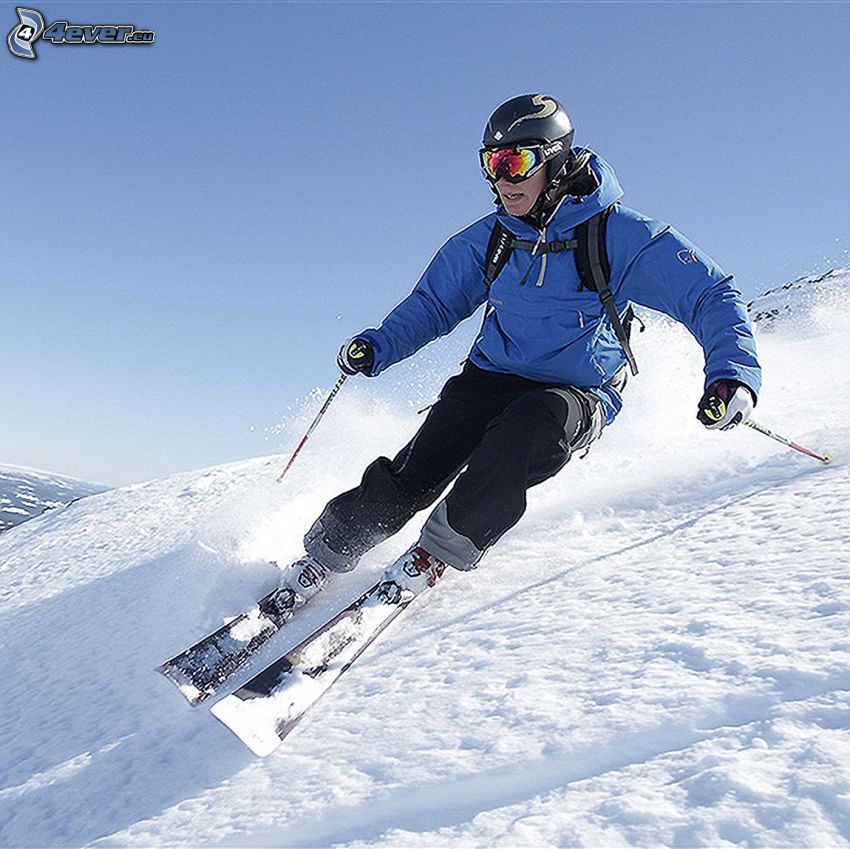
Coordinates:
532 118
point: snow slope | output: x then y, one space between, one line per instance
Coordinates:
25 493
658 654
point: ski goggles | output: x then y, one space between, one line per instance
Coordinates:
516 164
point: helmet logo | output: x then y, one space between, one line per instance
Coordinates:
687 256
548 107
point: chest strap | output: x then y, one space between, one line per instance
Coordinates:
546 247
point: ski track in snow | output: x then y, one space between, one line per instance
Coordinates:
659 654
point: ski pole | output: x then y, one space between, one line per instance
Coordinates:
824 458
337 387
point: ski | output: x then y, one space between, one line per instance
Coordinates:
263 711
200 670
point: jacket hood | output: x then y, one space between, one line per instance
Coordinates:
574 209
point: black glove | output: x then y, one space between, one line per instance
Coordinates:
356 355
725 403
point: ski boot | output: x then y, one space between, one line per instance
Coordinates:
300 582
414 572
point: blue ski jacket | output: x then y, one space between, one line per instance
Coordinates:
549 329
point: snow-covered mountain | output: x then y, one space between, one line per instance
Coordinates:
25 493
657 655
808 298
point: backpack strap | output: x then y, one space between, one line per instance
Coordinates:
594 270
499 250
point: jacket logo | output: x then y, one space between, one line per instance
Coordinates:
687 256
547 107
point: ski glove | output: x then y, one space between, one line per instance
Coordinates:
724 404
356 355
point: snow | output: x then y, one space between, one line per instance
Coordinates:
25 493
658 654
252 626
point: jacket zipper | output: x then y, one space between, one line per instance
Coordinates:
545 257
542 239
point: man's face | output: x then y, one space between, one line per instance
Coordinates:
518 198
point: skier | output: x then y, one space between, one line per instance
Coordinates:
558 264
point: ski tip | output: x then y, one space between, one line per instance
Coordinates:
239 718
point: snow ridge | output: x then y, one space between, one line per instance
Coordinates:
802 299
26 493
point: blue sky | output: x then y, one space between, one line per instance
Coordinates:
191 229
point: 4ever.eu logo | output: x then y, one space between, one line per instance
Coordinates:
31 26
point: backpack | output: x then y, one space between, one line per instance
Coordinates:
591 257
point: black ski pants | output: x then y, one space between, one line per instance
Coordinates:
498 434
